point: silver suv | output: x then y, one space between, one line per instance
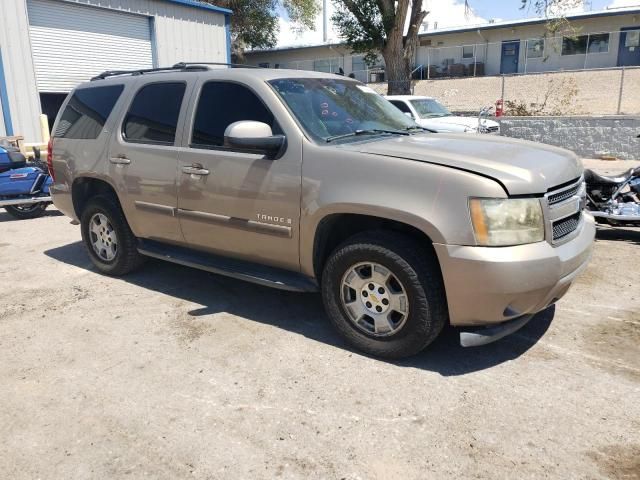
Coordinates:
313 182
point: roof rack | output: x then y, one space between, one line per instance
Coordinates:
180 66
196 64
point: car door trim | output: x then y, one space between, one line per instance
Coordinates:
235 222
155 208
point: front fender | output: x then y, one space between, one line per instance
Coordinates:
312 223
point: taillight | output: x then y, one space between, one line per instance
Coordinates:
50 159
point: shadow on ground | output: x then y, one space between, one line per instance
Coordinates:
303 313
631 235
5 217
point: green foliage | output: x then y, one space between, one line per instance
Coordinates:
558 99
361 27
254 23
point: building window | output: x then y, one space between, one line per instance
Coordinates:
468 51
358 64
599 43
327 65
632 38
535 47
574 45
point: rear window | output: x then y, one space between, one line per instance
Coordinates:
87 111
153 115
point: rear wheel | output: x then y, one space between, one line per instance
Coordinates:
383 291
108 238
25 212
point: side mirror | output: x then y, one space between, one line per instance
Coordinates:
254 137
409 114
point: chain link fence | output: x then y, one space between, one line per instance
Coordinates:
613 91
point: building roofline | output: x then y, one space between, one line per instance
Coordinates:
203 6
284 49
530 21
473 28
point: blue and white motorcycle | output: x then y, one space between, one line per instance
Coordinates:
24 187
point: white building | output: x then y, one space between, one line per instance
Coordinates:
598 39
47 47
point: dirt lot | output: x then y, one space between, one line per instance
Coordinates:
176 373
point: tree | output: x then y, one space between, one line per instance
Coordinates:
390 28
254 23
372 26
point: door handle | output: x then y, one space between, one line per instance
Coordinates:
120 160
195 170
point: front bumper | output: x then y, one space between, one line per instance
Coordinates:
492 285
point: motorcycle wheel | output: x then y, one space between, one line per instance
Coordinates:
25 212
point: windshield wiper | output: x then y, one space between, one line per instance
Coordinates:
418 127
369 131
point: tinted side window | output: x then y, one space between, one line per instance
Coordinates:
220 105
401 105
153 114
87 111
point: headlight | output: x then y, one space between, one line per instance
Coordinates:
509 221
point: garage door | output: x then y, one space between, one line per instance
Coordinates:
72 43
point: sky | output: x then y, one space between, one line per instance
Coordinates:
448 13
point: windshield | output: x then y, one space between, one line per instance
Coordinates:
428 107
329 108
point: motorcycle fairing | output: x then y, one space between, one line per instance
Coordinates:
22 181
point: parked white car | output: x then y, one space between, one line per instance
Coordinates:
429 113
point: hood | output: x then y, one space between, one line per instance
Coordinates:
522 167
453 123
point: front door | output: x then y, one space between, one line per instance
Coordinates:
234 203
629 48
510 56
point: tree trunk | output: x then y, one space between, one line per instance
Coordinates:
399 51
397 70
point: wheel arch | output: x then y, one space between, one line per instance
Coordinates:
85 187
334 228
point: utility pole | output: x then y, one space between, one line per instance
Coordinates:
325 20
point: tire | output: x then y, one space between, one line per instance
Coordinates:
118 260
413 267
25 212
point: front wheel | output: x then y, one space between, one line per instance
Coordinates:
384 293
25 212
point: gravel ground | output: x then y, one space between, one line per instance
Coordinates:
176 373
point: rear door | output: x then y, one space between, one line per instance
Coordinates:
245 205
143 158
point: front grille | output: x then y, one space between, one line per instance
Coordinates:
562 195
493 129
565 226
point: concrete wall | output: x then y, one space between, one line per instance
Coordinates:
589 137
181 33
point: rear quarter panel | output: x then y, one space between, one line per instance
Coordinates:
79 158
